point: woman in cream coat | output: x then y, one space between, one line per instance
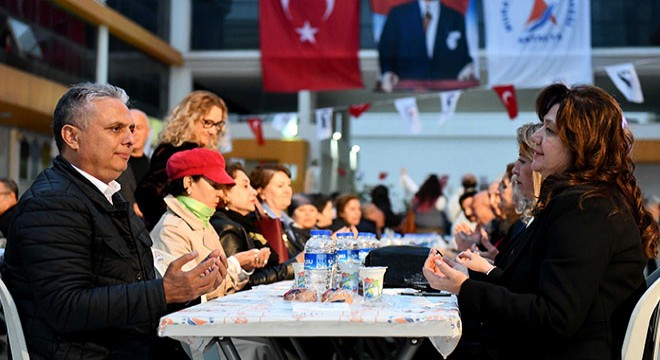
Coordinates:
197 182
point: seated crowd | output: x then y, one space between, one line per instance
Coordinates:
565 222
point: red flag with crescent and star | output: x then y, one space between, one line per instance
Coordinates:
507 95
309 44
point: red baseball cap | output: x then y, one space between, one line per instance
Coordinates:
199 161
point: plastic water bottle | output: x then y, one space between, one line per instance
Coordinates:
319 261
366 242
347 248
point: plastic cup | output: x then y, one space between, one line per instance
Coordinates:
348 275
371 279
299 275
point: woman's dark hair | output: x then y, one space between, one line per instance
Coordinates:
176 188
233 168
467 194
380 196
342 201
262 174
429 192
320 200
590 124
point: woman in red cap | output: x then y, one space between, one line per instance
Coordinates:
197 184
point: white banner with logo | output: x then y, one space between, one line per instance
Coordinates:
533 43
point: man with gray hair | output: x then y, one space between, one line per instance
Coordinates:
78 262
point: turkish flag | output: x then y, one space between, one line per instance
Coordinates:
356 110
309 44
507 95
257 129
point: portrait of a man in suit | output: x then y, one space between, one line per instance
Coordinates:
424 40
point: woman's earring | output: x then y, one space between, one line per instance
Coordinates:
188 191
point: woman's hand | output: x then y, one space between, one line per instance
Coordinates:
491 250
441 276
473 261
465 237
251 259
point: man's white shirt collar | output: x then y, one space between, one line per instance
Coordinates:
106 189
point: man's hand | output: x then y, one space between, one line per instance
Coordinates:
181 286
467 73
388 81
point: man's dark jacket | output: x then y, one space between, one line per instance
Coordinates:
81 271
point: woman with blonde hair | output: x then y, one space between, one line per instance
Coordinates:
196 122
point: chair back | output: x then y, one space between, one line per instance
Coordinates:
641 319
14 327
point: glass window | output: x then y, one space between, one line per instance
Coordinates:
152 15
24 160
144 78
65 48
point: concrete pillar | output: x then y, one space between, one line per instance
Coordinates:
102 40
307 130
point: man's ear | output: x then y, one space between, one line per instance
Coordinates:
70 136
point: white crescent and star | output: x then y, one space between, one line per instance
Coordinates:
307 32
506 95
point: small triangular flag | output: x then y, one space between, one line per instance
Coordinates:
407 108
323 123
625 78
507 95
257 129
356 110
281 120
448 101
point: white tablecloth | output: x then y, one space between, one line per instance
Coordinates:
263 312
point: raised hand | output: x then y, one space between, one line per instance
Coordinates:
181 286
473 261
442 276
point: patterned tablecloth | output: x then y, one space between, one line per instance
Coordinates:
263 312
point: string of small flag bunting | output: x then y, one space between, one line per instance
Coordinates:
624 76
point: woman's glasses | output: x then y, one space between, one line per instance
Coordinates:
207 124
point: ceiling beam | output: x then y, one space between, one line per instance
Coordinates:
123 28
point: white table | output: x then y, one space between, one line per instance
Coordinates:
263 312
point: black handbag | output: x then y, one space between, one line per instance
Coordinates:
404 265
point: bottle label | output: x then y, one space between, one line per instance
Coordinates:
318 261
343 255
363 253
